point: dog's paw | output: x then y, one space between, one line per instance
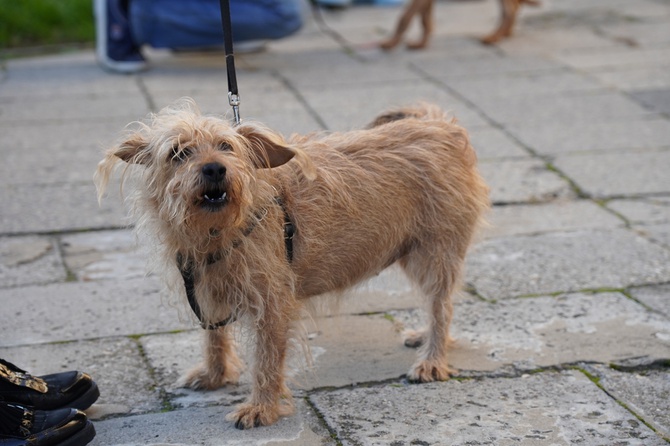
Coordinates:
202 378
429 371
414 338
249 415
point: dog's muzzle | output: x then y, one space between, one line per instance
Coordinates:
214 195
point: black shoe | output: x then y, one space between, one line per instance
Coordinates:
116 49
66 389
24 426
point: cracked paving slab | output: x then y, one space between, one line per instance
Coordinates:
560 408
645 392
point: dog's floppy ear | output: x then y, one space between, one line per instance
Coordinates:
268 148
132 150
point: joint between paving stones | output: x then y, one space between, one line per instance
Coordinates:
151 104
301 99
596 381
322 419
166 403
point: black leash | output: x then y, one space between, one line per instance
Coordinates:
233 95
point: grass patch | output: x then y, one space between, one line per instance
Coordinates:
28 23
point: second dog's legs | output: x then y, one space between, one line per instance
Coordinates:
413 8
426 26
510 9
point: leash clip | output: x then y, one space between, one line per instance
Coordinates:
234 101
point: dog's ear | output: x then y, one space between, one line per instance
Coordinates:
268 148
132 150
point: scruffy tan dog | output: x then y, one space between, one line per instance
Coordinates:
219 197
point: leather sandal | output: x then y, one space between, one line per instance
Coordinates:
24 426
67 389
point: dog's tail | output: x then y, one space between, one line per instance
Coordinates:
421 111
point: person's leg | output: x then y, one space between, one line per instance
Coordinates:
116 48
197 23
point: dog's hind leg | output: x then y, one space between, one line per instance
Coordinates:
221 365
438 275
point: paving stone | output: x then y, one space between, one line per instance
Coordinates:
57 207
631 79
531 84
619 58
73 74
646 393
99 255
494 65
517 181
657 233
618 174
642 34
75 310
654 296
650 210
208 426
656 100
568 109
545 408
587 136
337 109
570 261
29 260
532 38
548 217
545 331
55 145
490 142
63 108
116 365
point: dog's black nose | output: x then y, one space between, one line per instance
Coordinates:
214 172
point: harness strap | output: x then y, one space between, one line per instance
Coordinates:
187 267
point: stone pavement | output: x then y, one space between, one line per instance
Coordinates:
563 332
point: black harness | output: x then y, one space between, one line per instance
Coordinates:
187 266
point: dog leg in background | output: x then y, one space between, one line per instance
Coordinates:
423 7
510 9
426 27
221 366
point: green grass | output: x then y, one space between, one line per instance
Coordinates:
31 23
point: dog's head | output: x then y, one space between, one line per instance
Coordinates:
198 172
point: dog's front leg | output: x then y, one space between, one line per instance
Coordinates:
270 397
221 365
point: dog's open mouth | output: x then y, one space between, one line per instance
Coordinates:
214 199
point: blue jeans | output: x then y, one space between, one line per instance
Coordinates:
197 23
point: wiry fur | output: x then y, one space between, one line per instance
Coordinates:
406 189
424 9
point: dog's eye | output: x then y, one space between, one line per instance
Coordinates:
180 154
225 147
